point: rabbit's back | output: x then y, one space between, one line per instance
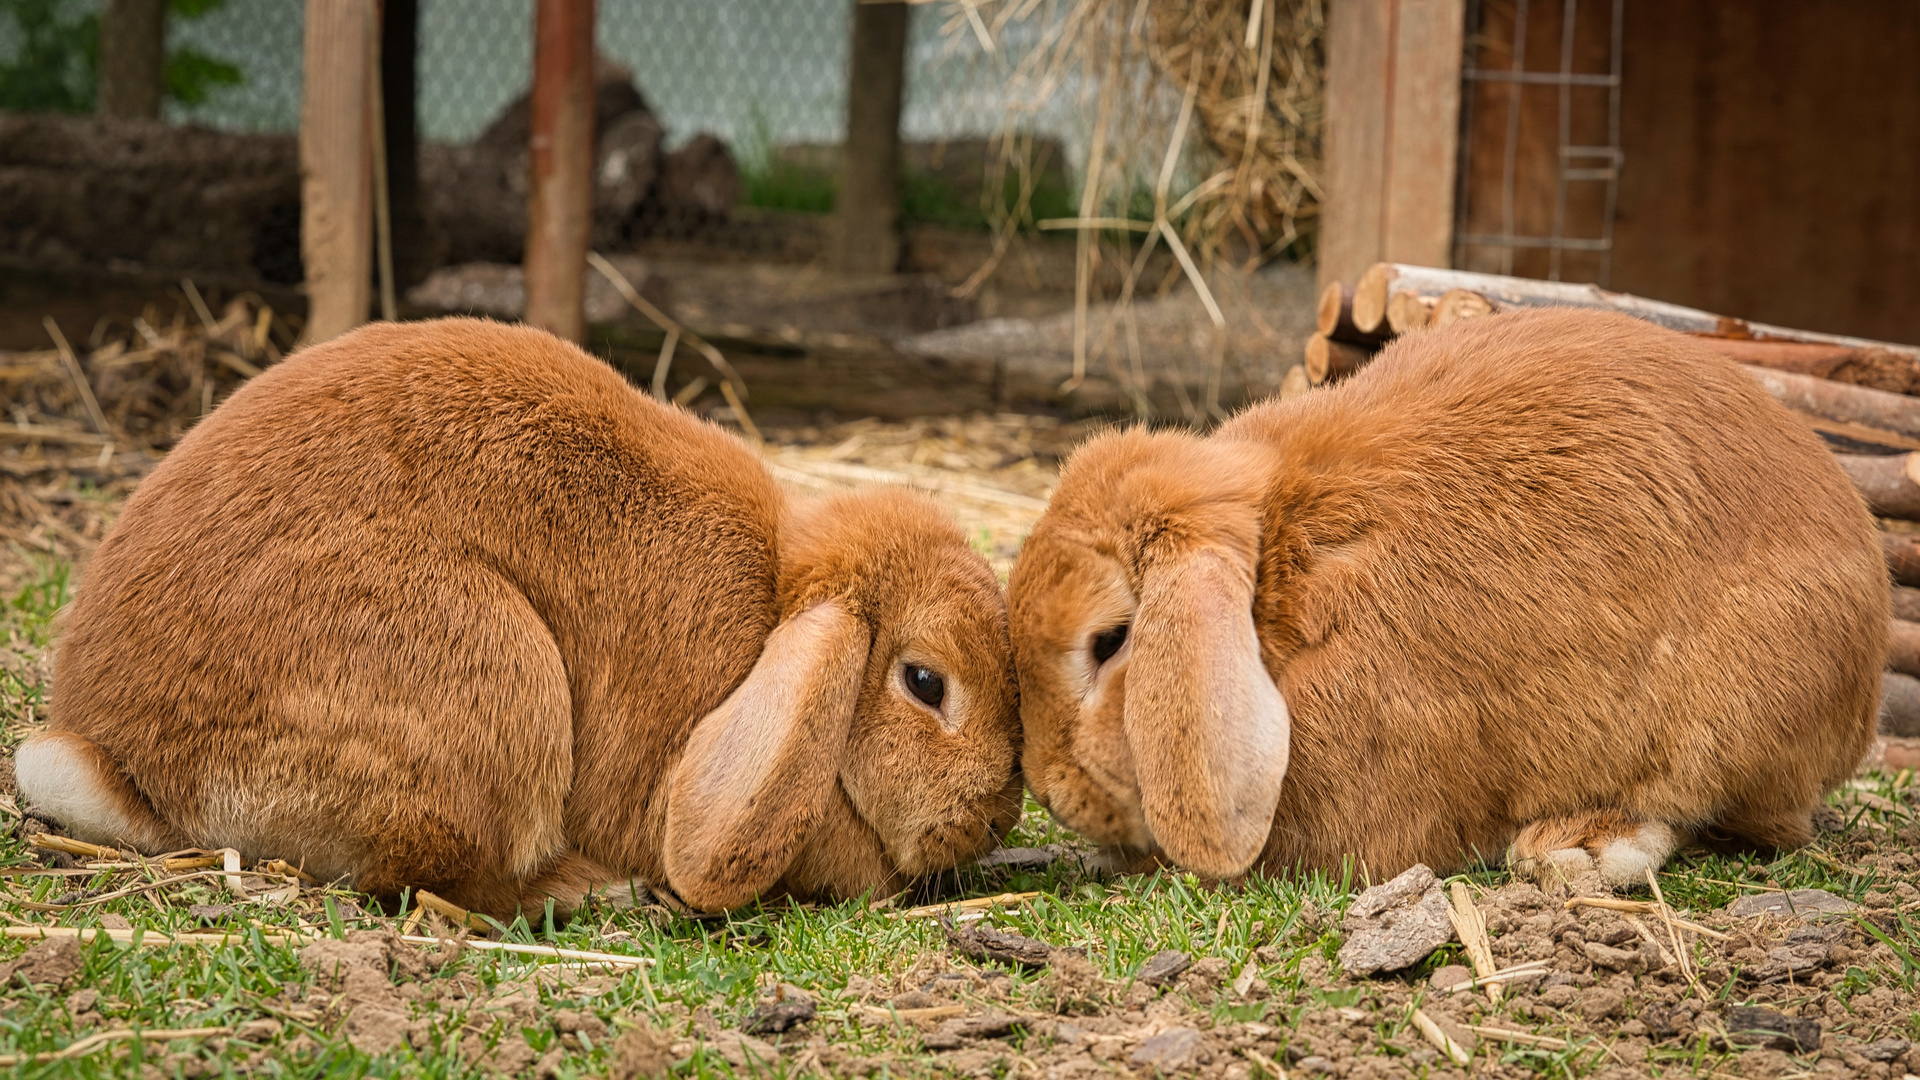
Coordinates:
414 538
1552 562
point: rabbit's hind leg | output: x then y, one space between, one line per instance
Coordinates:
1621 848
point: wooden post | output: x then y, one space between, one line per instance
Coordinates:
133 51
399 52
1392 133
336 165
867 232
560 164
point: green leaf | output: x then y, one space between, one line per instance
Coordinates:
193 9
190 76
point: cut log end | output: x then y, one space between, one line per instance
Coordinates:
1328 360
1457 305
1899 704
1903 647
1336 301
1906 603
1370 298
1408 312
1333 317
1903 557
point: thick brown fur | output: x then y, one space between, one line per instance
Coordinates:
441 605
1559 570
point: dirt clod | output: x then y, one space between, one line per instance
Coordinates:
572 1021
53 962
1396 925
1885 1049
1599 1004
641 1054
783 1008
1749 1025
510 1056
354 975
1174 1049
1800 903
1163 967
986 943
743 1051
1449 977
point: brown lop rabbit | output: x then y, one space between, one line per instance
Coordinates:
1560 581
449 605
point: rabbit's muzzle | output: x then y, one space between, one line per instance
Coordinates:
967 831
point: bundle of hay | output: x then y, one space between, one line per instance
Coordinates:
1203 134
1245 76
1257 79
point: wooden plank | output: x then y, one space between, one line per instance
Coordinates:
1761 175
867 214
560 166
1423 152
336 171
1357 124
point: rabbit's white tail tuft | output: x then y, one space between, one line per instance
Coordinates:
69 778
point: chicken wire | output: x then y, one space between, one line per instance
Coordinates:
753 72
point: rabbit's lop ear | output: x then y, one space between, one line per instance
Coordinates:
1207 727
758 770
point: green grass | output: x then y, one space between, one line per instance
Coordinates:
716 965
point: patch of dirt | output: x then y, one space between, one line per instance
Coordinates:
355 983
48 965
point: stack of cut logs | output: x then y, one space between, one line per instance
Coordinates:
1860 396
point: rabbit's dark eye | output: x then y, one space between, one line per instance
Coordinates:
1107 642
926 685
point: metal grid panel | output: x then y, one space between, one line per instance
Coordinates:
1575 163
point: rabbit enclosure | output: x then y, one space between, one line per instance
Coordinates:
937 244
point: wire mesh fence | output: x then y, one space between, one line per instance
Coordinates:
759 75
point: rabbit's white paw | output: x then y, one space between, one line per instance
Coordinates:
1557 866
1625 860
1619 848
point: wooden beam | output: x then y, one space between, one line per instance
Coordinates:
1502 293
560 163
1897 413
1391 149
133 47
399 92
336 170
1423 149
867 213
1354 148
